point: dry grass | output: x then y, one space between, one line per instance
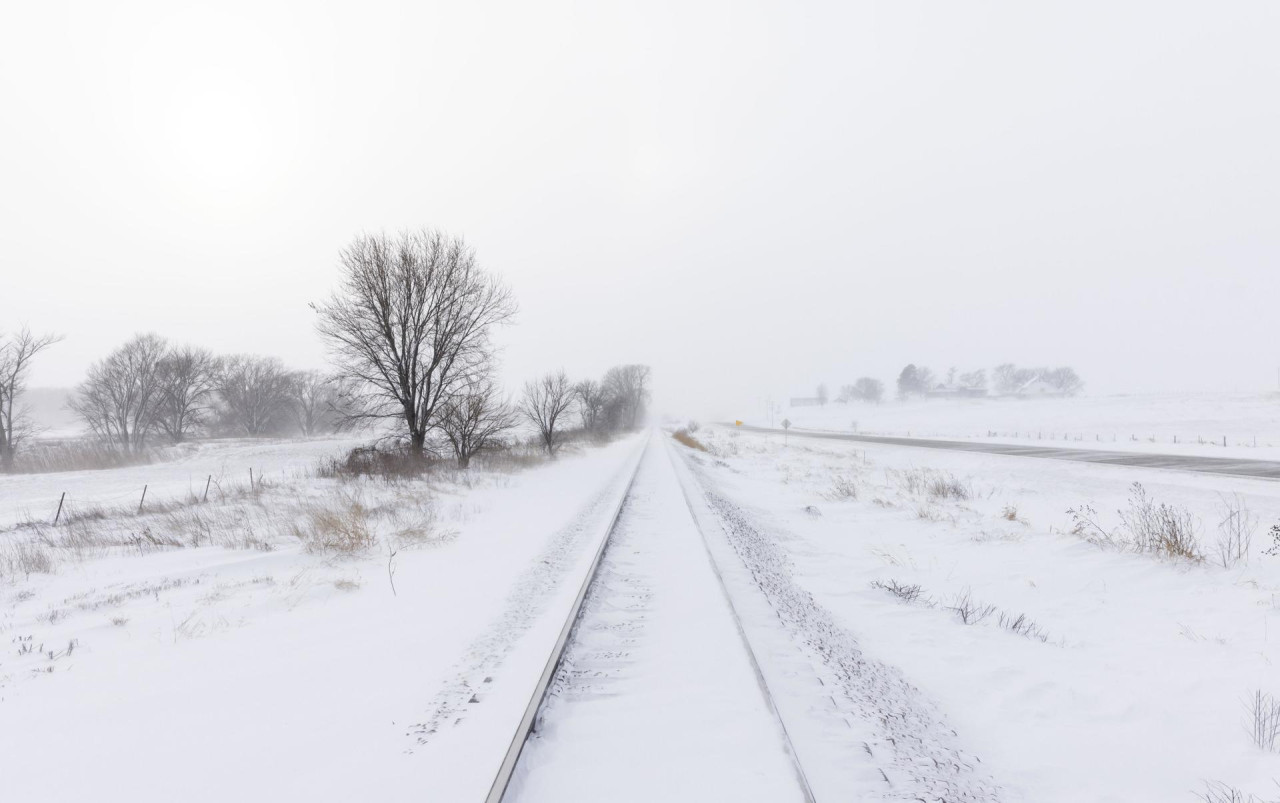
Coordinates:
930 484
1145 527
682 436
341 527
1263 721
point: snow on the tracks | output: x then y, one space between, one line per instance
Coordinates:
657 698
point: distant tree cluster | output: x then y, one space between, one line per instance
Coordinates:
864 389
148 388
918 380
613 404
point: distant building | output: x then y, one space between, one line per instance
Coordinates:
1038 388
944 391
806 401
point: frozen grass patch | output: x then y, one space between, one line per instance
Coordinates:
1219 792
1262 720
341 527
967 610
926 483
1145 527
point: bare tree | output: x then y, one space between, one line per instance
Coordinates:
822 395
314 401
475 418
254 392
591 398
545 403
1064 380
974 380
187 378
411 320
868 389
120 398
627 387
16 355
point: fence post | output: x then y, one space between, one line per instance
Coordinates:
143 499
58 515
206 488
250 478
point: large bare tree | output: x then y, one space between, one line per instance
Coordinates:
254 392
120 398
188 377
410 322
475 418
545 404
16 354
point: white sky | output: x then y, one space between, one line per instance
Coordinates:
749 197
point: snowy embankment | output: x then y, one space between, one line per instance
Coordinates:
1127 675
1173 423
312 639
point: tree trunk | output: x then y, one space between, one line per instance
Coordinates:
417 444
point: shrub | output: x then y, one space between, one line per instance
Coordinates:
1160 528
843 487
1145 526
903 591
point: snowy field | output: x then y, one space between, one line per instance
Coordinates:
309 639
1125 680
1250 423
878 623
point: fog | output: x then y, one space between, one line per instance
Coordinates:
751 198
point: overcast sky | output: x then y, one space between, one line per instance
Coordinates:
749 197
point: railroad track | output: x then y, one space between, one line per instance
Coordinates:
659 549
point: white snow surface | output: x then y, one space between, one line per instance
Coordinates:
1136 692
213 674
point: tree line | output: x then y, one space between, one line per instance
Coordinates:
409 331
149 388
919 380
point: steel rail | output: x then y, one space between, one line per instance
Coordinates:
502 779
792 753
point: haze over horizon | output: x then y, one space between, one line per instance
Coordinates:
750 198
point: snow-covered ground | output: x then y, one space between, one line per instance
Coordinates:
239 665
1173 423
1128 679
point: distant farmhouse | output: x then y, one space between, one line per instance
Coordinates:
805 401
1038 388
943 390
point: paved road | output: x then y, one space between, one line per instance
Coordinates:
1265 469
